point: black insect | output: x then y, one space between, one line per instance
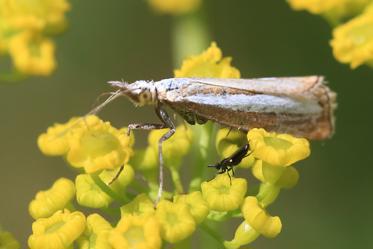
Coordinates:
227 164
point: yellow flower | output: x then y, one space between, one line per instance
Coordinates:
175 220
55 141
221 195
197 206
281 177
209 64
49 201
244 235
58 231
333 9
353 41
31 54
145 159
277 149
258 219
136 232
175 7
88 194
227 144
7 241
36 15
175 148
97 146
141 205
96 233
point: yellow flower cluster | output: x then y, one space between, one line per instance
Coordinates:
88 143
271 158
100 149
352 41
24 30
209 64
335 9
174 7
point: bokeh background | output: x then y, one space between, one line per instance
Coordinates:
331 207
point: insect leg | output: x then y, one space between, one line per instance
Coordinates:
230 177
229 131
116 175
168 122
144 127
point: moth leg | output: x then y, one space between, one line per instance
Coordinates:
149 126
165 118
229 131
116 175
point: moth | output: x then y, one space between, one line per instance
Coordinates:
301 106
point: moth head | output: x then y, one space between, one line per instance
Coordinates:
141 93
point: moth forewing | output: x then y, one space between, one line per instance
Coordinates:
302 106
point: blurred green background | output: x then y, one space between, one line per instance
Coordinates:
331 207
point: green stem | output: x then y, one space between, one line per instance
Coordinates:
190 36
176 180
268 193
204 227
105 188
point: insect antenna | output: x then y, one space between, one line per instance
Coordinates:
99 107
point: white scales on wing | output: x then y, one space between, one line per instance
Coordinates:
191 90
257 103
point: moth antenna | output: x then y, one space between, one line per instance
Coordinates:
98 108
97 101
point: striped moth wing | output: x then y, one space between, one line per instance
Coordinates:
302 106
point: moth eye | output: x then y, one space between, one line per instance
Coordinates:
145 97
230 160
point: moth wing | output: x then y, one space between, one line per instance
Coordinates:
282 86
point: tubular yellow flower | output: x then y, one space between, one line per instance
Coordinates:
277 149
96 233
175 7
55 141
36 15
136 232
7 241
32 55
197 206
244 235
174 148
226 145
49 201
281 177
258 219
88 194
58 231
353 41
221 195
145 159
175 220
141 205
97 146
209 64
